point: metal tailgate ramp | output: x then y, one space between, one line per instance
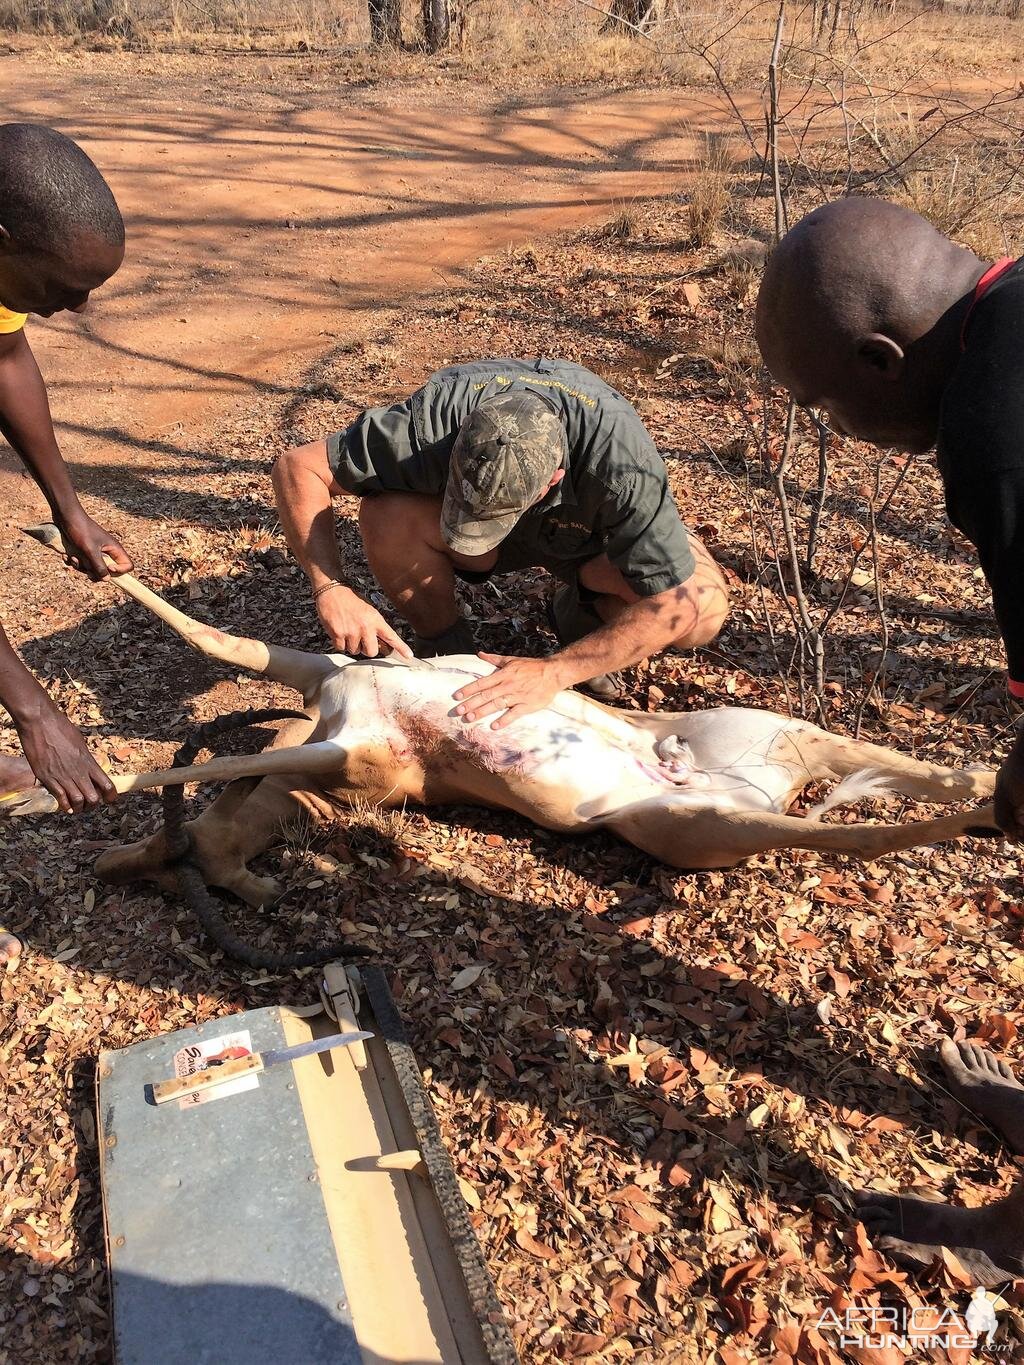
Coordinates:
269 1209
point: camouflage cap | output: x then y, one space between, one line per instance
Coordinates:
503 459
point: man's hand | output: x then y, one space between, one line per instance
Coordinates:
87 543
517 686
355 627
1009 798
58 755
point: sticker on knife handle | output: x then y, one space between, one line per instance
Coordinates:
209 1052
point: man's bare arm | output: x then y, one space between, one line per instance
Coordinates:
56 751
26 423
303 488
641 628
519 687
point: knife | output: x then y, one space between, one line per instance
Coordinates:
217 1073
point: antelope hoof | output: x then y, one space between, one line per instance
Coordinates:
35 801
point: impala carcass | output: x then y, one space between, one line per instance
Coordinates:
700 789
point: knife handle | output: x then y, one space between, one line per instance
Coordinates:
339 994
203 1080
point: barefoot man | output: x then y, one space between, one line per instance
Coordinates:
989 1241
909 340
61 236
492 467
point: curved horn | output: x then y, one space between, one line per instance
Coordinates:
293 667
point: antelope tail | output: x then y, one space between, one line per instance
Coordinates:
858 786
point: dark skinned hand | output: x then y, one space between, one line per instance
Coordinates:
1009 798
87 543
58 755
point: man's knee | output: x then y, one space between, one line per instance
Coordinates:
706 630
398 521
710 598
602 578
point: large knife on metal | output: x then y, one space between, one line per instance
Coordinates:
216 1073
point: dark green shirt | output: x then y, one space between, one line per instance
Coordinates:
613 500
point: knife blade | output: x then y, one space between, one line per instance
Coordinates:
272 1056
218 1072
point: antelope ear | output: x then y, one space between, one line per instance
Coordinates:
881 354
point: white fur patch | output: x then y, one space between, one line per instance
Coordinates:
859 786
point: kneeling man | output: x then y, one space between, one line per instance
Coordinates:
492 467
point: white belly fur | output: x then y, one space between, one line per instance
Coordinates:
573 756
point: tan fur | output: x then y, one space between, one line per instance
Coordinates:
307 772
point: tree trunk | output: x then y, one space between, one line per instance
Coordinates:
385 22
628 15
436 25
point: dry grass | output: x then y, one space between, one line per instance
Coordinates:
710 191
564 45
957 163
631 220
567 42
740 266
950 153
381 360
176 24
968 185
957 199
622 225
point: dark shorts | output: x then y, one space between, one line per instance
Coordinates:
521 549
563 554
566 570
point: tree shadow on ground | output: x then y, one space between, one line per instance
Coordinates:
576 992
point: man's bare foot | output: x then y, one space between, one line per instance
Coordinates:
988 1242
987 1087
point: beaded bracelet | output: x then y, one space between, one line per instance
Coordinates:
326 588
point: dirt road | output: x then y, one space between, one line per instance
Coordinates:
264 229
616 1191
